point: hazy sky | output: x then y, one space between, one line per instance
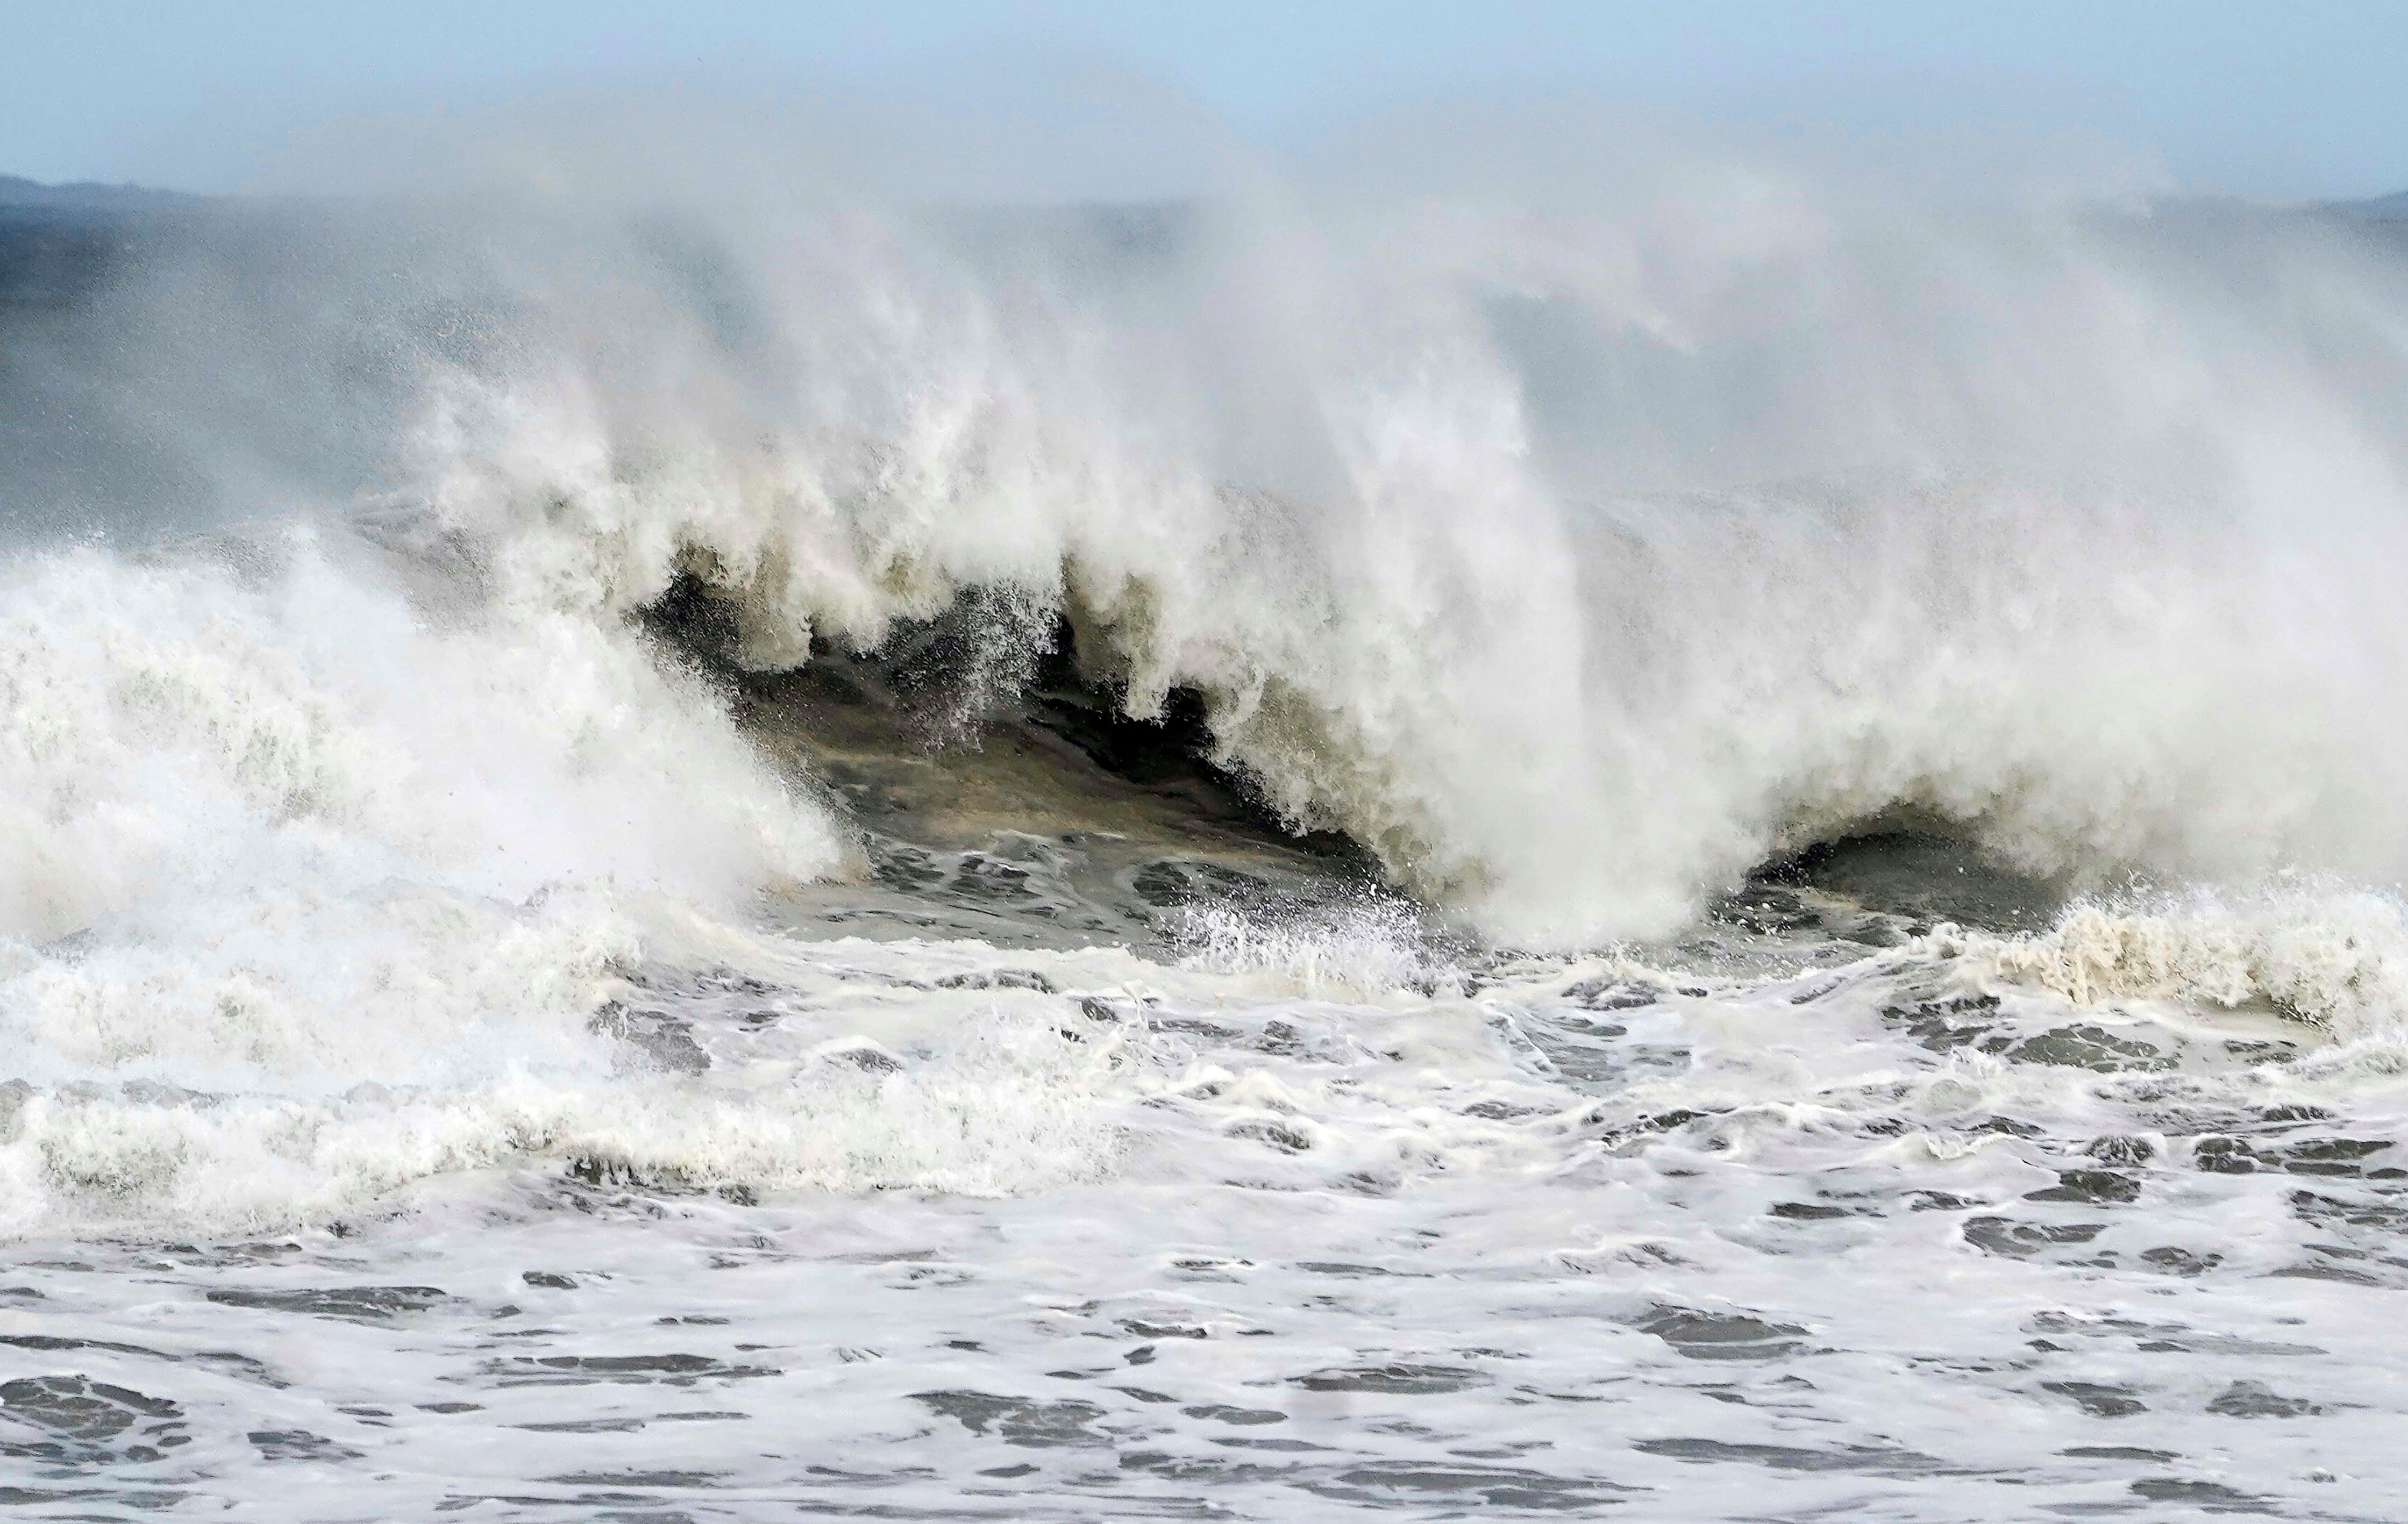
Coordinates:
2296 99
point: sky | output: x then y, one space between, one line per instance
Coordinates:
2293 100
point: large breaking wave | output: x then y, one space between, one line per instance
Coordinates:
1574 552
1571 557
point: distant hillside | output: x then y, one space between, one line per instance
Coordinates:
59 243
84 196
2390 208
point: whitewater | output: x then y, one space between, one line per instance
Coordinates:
1718 838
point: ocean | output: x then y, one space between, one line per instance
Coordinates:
1724 848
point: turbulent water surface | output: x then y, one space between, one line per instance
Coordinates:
1714 851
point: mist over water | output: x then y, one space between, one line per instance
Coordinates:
1513 704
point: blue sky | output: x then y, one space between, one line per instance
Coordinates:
2267 99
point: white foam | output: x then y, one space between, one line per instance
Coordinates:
271 835
995 1116
1357 952
2335 958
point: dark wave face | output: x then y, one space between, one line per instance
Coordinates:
1395 839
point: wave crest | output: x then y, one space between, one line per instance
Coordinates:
2334 959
